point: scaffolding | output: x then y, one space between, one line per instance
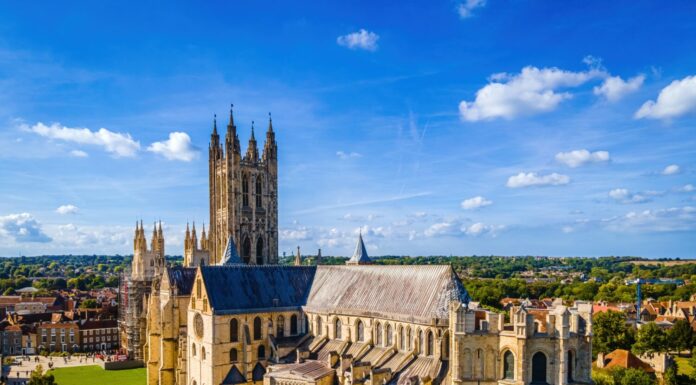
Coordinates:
132 298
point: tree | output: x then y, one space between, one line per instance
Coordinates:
611 332
681 336
89 304
39 378
670 376
631 376
650 339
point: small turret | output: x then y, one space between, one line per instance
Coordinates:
187 239
270 148
204 239
298 257
360 256
194 237
231 139
252 154
318 261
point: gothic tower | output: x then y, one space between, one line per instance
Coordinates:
243 196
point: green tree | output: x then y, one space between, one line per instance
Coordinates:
650 339
611 332
88 304
631 376
39 378
671 377
680 336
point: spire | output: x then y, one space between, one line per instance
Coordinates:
270 123
269 147
360 256
252 151
215 125
188 233
230 255
159 230
230 125
298 257
252 133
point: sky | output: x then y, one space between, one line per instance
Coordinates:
475 127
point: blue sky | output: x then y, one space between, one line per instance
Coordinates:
438 128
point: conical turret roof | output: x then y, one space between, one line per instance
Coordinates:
230 256
360 256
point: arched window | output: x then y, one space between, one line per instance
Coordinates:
259 251
402 338
508 366
337 329
246 250
390 335
233 355
280 326
245 190
257 328
193 350
261 352
539 367
319 327
203 353
361 331
571 365
408 339
421 348
234 330
259 193
378 335
446 345
429 348
293 324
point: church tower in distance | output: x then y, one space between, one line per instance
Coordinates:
243 196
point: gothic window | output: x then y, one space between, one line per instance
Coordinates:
420 342
361 331
319 329
408 338
234 330
293 324
246 250
259 192
508 366
378 335
259 251
402 338
193 350
233 355
198 288
429 348
280 326
261 352
152 263
445 345
257 328
337 329
203 353
390 336
245 191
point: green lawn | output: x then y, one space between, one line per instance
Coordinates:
91 375
684 366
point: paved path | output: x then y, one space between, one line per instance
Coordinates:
19 374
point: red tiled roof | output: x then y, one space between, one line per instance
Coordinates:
625 359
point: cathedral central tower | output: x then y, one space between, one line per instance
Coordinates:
243 196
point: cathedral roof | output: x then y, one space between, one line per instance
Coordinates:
230 256
408 293
360 256
234 289
181 278
234 376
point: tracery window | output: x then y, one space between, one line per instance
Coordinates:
245 191
259 192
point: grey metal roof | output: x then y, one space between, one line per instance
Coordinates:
360 256
230 256
408 293
181 278
233 377
241 288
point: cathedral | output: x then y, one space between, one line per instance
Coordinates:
232 315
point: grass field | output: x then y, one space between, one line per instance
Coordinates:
684 366
95 375
666 263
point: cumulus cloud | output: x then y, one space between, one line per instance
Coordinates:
479 228
78 154
177 147
672 169
577 158
67 209
467 7
527 179
362 39
300 233
677 99
442 228
22 228
658 220
624 196
118 144
687 188
532 91
70 235
475 202
347 155
614 88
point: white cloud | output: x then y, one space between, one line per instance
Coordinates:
533 179
624 196
67 209
577 158
532 91
71 236
442 228
78 154
659 220
615 88
467 7
347 155
177 147
362 39
22 228
671 170
479 228
676 99
118 144
298 234
687 188
475 202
